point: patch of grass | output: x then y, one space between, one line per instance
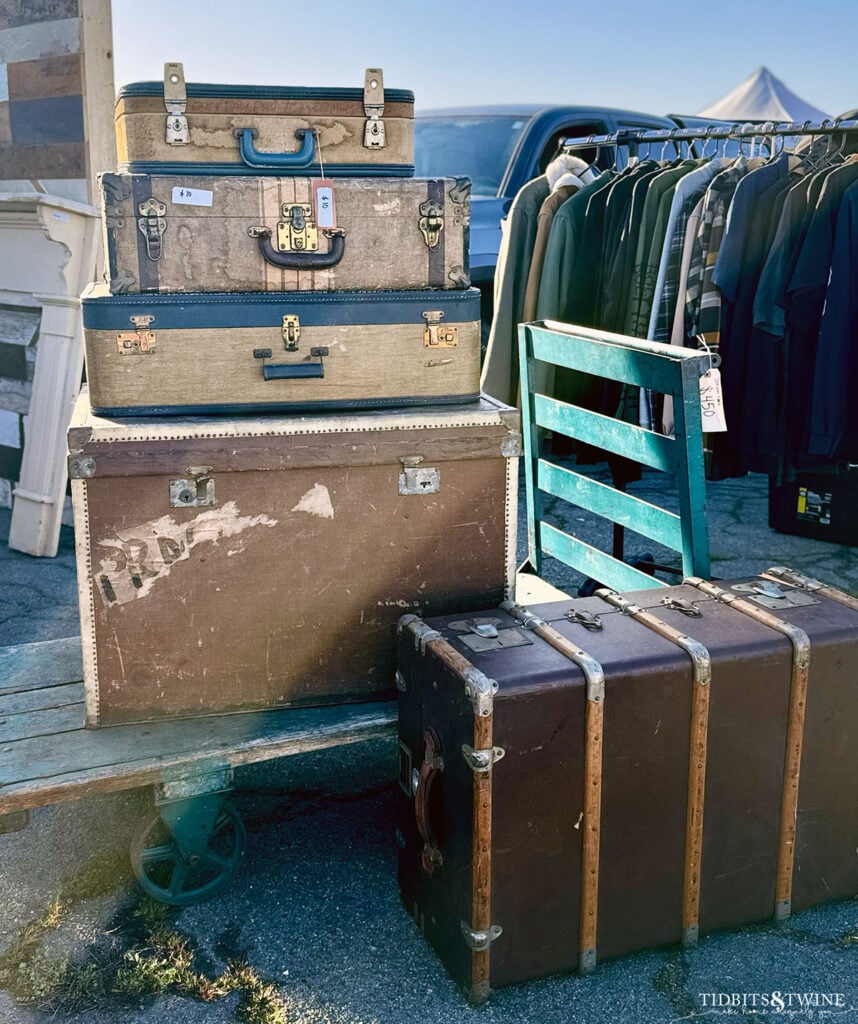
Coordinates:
259 1003
848 940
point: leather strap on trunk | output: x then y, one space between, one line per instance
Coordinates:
592 806
795 731
702 676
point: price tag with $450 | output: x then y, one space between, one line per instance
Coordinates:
712 402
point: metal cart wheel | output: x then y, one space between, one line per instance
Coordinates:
170 872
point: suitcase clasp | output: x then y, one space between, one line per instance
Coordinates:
176 100
414 480
586 619
297 232
291 332
195 491
152 223
436 336
373 107
677 604
138 342
482 760
431 222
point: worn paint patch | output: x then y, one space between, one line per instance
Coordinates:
134 560
317 501
391 206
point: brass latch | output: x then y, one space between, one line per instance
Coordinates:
431 222
297 232
291 332
175 100
436 336
152 223
373 107
139 341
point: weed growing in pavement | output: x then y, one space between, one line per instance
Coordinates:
147 957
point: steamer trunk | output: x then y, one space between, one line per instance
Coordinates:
631 813
236 564
302 350
189 233
334 119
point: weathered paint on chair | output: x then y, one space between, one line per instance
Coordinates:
666 369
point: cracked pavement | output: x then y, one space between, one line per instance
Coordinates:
315 908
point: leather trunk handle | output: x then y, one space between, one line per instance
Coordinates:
431 768
301 260
298 160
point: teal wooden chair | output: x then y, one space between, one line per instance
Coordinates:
662 368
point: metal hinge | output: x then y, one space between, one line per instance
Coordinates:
176 100
291 332
482 760
81 467
482 939
373 107
771 595
436 336
194 491
582 618
431 222
297 232
677 604
416 480
152 224
139 341
481 691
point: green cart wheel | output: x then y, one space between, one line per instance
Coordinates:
181 874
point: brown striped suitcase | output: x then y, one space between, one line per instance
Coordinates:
176 127
250 233
603 775
231 564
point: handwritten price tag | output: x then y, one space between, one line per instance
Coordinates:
192 196
326 212
712 403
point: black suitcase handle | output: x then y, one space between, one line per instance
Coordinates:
298 160
301 260
431 768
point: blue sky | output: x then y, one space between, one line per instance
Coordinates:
642 54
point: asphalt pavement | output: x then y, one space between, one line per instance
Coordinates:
315 912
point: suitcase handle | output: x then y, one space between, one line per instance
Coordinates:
283 161
433 765
301 260
292 371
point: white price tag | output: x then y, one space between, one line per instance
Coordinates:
192 196
712 403
326 214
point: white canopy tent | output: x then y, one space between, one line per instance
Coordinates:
763 97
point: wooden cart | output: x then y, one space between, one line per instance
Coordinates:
192 846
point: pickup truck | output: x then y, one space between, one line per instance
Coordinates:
500 148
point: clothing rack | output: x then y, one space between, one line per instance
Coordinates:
632 139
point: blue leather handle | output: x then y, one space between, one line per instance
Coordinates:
291 371
296 161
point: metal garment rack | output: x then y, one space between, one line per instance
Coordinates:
632 139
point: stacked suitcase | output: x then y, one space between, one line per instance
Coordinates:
283 442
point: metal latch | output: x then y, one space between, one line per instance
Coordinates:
297 232
772 595
152 223
176 100
677 604
291 332
484 629
586 619
139 341
373 107
416 480
195 491
431 222
481 940
482 760
436 336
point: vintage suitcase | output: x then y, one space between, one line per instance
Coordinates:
169 233
168 127
184 354
820 505
607 774
231 564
